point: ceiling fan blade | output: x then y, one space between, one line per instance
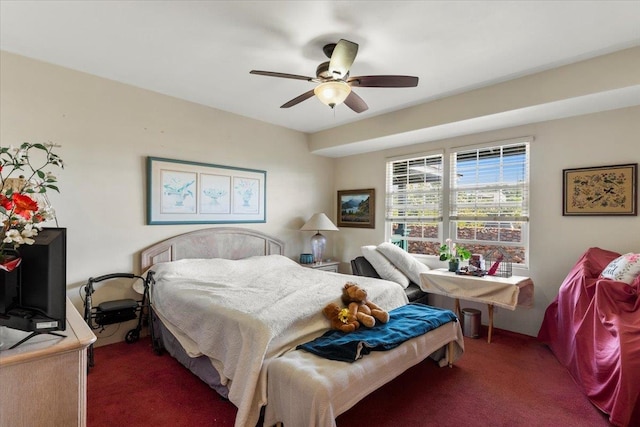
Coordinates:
356 103
342 58
383 81
298 99
283 75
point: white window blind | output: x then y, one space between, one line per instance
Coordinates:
414 190
482 202
490 184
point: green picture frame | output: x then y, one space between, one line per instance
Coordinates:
184 192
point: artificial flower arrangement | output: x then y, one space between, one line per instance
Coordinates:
451 252
23 202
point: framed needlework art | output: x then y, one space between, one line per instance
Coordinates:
601 190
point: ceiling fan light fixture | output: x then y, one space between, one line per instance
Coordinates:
332 93
334 83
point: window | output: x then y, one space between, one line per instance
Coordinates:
489 199
483 190
414 203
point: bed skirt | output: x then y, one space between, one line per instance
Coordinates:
200 366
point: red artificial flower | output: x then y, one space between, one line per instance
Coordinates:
38 218
24 205
5 202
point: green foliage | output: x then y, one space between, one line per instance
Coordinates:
450 251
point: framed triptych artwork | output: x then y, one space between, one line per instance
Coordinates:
182 192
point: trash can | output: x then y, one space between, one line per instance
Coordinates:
471 322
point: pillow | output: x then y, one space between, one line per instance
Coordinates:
385 269
625 268
405 262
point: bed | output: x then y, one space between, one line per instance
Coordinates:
232 308
593 328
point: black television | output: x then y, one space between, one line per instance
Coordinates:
35 300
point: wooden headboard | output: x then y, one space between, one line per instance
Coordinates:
222 242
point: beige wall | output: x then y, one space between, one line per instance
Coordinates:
107 129
618 71
556 241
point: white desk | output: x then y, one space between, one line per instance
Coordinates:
505 292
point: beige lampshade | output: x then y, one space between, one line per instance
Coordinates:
319 222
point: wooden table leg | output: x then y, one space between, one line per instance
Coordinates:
457 309
450 351
490 307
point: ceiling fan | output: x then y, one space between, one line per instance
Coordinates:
334 84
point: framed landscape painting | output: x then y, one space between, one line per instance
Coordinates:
357 208
601 190
182 192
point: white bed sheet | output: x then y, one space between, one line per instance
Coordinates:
307 390
243 313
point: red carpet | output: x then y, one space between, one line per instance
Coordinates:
514 381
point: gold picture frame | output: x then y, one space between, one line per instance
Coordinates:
357 208
601 190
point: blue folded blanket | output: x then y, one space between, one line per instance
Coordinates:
405 322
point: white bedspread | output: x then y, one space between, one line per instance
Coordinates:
243 313
306 390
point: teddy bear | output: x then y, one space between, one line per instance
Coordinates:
341 318
366 311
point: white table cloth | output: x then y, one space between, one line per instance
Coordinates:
505 292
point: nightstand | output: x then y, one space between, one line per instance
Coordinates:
326 266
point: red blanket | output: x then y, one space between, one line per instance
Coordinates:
593 328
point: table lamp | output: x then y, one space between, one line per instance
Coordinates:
318 222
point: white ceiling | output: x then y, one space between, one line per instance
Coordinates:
202 51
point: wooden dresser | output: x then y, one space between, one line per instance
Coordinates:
43 381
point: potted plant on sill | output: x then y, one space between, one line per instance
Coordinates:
454 254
